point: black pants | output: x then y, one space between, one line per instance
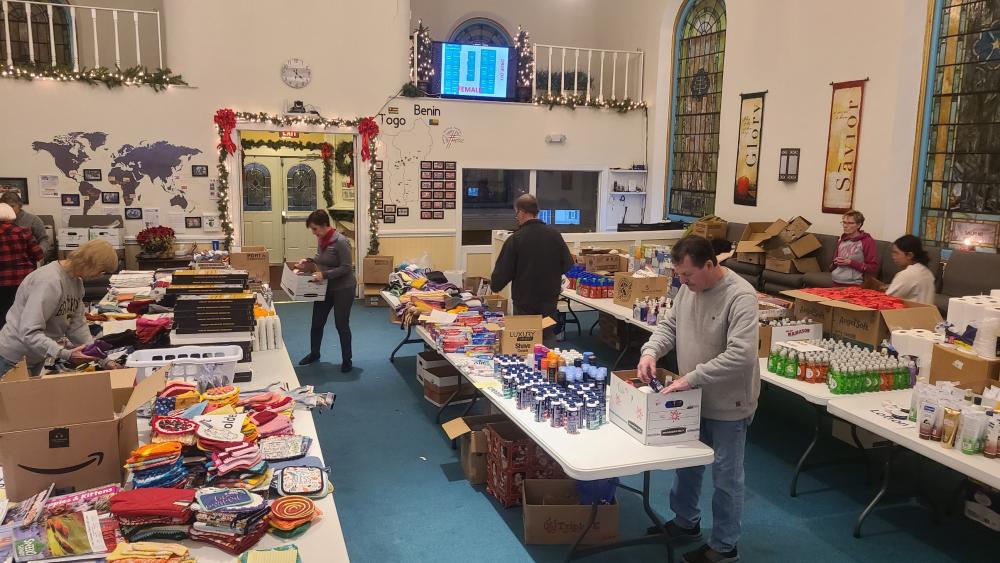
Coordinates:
7 293
550 310
340 301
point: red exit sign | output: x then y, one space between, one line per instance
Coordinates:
288 134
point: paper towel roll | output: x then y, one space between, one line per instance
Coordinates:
916 342
985 343
995 293
965 310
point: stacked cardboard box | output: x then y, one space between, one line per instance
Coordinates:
781 246
375 275
553 515
470 432
512 458
602 260
710 227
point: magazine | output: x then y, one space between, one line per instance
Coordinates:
29 510
6 542
66 537
97 499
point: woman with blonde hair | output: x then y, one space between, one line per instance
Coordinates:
48 307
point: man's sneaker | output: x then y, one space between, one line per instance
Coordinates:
705 554
674 531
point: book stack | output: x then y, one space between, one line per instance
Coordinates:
211 276
216 313
153 513
231 519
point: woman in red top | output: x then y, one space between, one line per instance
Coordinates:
857 256
19 255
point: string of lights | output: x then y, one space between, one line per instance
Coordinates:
424 69
572 102
525 57
158 79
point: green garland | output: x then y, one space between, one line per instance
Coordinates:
310 146
157 79
223 201
572 102
287 120
373 243
342 158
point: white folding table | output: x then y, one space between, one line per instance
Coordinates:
608 306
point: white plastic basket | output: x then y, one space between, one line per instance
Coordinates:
212 365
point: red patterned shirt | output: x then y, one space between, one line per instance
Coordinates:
19 254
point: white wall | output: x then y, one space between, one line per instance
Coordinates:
794 50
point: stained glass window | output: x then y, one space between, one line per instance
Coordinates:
18 31
256 187
481 31
959 177
694 144
301 188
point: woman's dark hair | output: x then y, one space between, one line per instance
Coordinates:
910 243
318 218
698 248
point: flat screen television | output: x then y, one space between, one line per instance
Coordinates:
567 217
477 72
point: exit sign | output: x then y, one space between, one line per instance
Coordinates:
289 134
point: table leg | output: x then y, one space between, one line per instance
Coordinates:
590 524
591 331
802 460
576 319
864 454
406 340
626 346
886 472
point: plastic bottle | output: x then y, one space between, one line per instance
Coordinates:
651 318
792 365
833 381
772 359
635 310
782 361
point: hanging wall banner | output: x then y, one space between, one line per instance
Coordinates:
748 155
842 146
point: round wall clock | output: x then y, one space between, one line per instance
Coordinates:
296 73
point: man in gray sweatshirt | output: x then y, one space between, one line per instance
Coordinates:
713 328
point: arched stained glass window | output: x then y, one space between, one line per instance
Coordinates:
256 187
17 22
699 52
958 179
481 31
301 188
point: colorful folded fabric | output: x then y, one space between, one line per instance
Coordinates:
154 502
149 552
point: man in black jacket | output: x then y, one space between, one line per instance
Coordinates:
534 258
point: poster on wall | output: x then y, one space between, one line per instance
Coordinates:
970 233
748 151
842 146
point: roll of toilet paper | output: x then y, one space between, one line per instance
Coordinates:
995 293
965 310
985 343
916 342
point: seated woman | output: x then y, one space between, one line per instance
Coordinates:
915 282
857 257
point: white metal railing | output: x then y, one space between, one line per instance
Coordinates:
76 24
619 73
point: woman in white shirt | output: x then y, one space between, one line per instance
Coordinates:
915 282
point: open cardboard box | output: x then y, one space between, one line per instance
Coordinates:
63 429
553 515
628 288
751 246
472 445
773 334
520 333
255 260
653 418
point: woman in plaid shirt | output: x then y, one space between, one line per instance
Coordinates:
19 255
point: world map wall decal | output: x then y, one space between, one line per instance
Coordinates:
130 167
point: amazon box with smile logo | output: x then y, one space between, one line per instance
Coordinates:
63 429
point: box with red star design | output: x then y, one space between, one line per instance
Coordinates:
653 418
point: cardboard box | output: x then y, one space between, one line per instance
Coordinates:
652 418
255 260
427 360
628 288
772 334
376 269
300 286
122 386
112 236
497 303
794 229
440 376
438 396
871 327
470 433
520 333
606 262
477 285
804 246
750 247
793 266
64 445
710 228
553 515
372 294
969 369
71 239
808 306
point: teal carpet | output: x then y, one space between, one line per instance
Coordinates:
401 495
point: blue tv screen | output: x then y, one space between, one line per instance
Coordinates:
472 71
567 216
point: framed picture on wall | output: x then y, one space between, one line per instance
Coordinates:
438 165
438 175
425 185
449 195
16 185
377 184
426 175
378 174
425 205
450 175
389 218
438 185
426 214
378 214
92 174
437 204
133 213
403 211
390 208
110 197
449 185
450 165
70 200
449 205
426 194
439 194
425 165
439 214
378 194
199 170
192 222
378 165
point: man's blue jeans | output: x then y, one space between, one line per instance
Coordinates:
728 439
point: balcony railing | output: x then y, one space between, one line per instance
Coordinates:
92 21
570 72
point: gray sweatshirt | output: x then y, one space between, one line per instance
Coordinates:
715 334
37 228
335 263
48 306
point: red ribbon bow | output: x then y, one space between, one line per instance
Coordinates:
326 151
368 129
225 119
